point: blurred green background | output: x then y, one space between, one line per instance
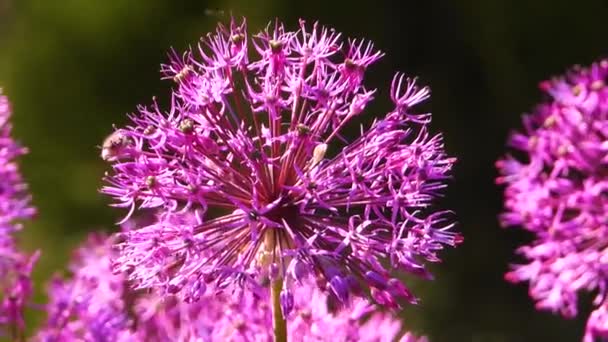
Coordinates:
72 68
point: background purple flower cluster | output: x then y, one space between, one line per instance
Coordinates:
93 305
15 265
558 190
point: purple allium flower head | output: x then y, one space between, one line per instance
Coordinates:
15 267
97 305
245 146
558 190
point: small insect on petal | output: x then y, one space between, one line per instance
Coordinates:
114 146
182 74
318 154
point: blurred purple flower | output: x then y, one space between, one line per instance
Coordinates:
597 325
14 198
93 306
558 189
15 267
245 146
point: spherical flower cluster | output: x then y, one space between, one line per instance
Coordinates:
15 267
557 188
96 305
245 146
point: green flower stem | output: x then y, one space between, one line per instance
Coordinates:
278 321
